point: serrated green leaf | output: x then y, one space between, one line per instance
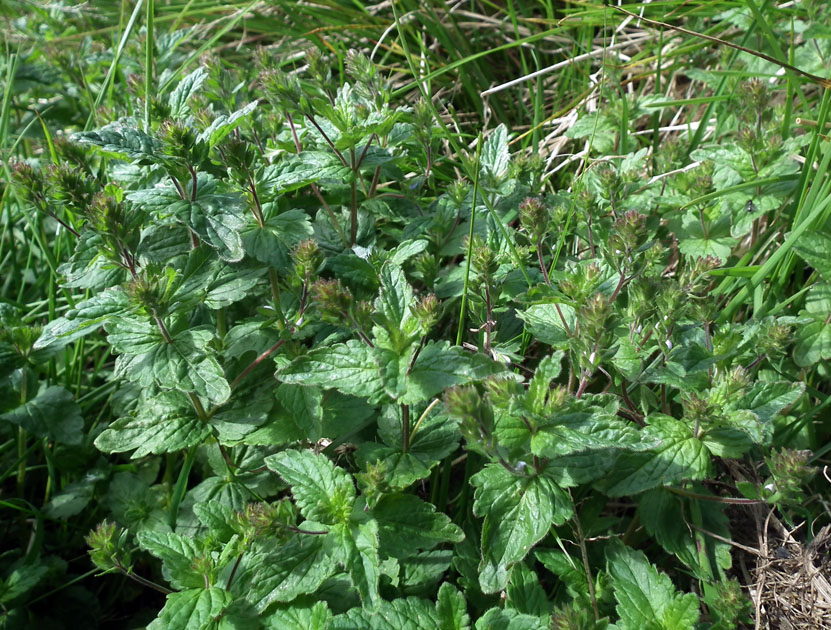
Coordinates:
84 319
400 614
323 492
451 609
356 548
406 523
270 243
540 386
647 600
599 127
216 217
508 619
177 554
193 609
407 249
87 268
314 617
219 221
178 99
181 364
543 322
711 239
658 510
570 571
768 399
519 510
677 456
135 504
74 497
281 575
133 336
162 425
574 469
585 426
10 359
225 124
52 414
122 141
213 282
348 367
726 441
524 593
423 570
440 365
304 406
353 270
217 517
310 166
238 419
495 156
393 309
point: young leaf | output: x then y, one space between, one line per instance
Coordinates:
225 124
495 156
178 100
647 599
177 554
525 595
393 308
451 609
323 492
355 546
519 509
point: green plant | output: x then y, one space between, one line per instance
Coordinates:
350 379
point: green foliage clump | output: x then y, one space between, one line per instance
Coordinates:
306 360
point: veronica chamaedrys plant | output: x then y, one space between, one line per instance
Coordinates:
401 400
200 269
